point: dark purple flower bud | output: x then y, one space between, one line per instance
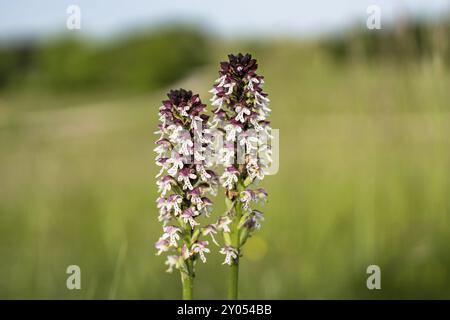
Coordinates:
254 220
206 201
163 142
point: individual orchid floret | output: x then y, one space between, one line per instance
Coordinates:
174 202
232 129
230 177
211 230
188 216
194 196
165 184
162 245
205 206
171 233
261 196
242 113
223 224
254 170
201 247
186 175
213 182
204 174
230 254
163 163
249 141
163 147
174 163
226 154
185 252
220 117
253 222
172 261
246 197
164 210
184 182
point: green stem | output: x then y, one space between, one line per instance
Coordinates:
187 279
188 283
233 277
233 281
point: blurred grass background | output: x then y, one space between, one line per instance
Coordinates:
364 165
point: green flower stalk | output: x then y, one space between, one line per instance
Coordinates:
241 113
183 183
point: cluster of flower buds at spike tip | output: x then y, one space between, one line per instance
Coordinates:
184 183
241 109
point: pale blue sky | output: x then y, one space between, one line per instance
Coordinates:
228 18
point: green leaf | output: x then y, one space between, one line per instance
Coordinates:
229 203
243 236
227 238
195 236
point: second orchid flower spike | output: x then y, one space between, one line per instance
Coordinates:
241 111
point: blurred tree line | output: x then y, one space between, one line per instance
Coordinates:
139 62
149 60
404 42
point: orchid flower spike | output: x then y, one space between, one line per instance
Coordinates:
184 182
241 112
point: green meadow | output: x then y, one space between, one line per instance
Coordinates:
364 178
